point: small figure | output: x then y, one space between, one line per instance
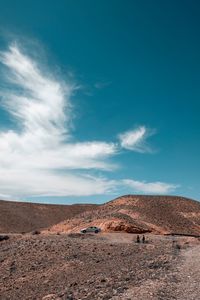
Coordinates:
138 239
143 239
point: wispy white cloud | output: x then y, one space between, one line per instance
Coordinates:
41 157
29 183
41 105
149 187
31 157
135 140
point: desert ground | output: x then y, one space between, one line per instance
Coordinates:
99 266
54 261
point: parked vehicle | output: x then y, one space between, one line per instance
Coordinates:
91 229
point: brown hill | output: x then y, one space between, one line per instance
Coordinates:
140 214
17 217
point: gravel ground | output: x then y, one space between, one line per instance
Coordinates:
103 266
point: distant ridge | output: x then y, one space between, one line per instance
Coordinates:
18 217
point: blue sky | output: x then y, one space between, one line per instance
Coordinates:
99 99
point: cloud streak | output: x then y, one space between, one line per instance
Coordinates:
150 187
135 140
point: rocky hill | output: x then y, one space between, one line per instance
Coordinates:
18 217
140 214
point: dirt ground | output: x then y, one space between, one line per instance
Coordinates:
102 266
188 275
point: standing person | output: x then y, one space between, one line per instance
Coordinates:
138 239
143 239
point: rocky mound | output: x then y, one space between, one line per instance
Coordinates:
18 217
140 214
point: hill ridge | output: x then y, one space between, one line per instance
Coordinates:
139 214
18 217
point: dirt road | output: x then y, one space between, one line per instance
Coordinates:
188 275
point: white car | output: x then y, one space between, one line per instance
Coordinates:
91 229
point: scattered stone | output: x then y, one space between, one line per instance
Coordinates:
4 237
50 297
36 232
